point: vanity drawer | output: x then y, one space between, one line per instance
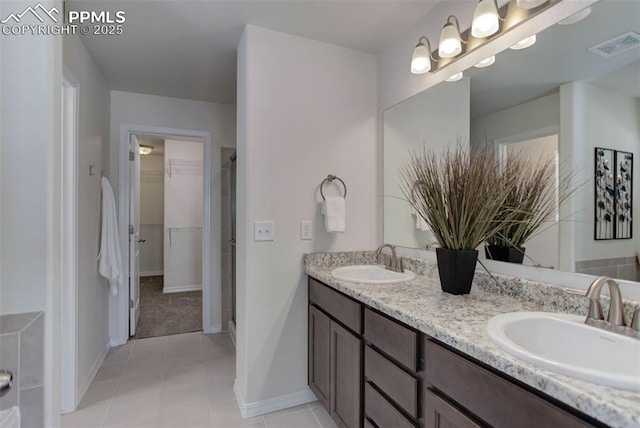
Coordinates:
394 339
336 304
381 412
368 424
400 386
491 398
441 414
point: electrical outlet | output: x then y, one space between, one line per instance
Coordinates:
306 230
263 231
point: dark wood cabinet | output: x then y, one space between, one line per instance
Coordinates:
320 355
335 353
438 413
371 371
488 397
391 364
346 379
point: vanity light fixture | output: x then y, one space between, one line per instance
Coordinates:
486 19
450 39
489 21
421 59
145 149
524 43
530 4
486 62
455 77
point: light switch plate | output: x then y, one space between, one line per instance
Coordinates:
306 230
263 231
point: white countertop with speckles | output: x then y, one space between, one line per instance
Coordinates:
459 321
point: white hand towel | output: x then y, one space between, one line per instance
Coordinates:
335 214
110 258
421 223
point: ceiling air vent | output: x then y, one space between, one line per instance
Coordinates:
617 45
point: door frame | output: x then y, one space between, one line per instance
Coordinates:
69 247
499 147
211 320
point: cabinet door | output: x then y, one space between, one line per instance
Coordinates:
319 355
440 414
346 377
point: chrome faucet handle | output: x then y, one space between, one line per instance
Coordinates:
400 265
635 320
615 306
393 260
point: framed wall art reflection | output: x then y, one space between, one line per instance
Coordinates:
613 194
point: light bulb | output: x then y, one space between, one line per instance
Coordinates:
576 17
486 62
450 40
485 19
524 43
420 62
455 77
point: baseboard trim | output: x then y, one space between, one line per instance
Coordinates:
232 331
114 341
249 410
84 386
152 273
216 328
182 288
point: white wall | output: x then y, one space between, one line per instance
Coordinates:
164 112
182 216
151 214
30 190
522 120
432 120
93 134
305 109
595 117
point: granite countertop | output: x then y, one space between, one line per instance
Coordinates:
459 321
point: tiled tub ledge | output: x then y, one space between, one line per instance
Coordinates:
459 321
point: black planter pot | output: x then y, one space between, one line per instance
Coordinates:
504 254
456 269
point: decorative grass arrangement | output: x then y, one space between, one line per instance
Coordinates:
458 192
533 197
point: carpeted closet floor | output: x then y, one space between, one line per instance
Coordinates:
162 314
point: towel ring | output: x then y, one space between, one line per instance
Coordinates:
329 179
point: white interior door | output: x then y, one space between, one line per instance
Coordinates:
134 234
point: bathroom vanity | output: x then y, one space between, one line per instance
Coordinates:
409 355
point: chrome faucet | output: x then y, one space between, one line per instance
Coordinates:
595 307
395 263
615 317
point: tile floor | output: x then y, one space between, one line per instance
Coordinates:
185 380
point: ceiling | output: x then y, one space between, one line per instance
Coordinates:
560 56
155 141
187 49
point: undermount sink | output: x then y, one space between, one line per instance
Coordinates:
565 344
371 274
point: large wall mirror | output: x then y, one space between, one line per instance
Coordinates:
559 100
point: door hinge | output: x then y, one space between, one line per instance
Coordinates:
130 303
131 230
132 156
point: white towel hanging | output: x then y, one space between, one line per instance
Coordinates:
335 214
110 257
